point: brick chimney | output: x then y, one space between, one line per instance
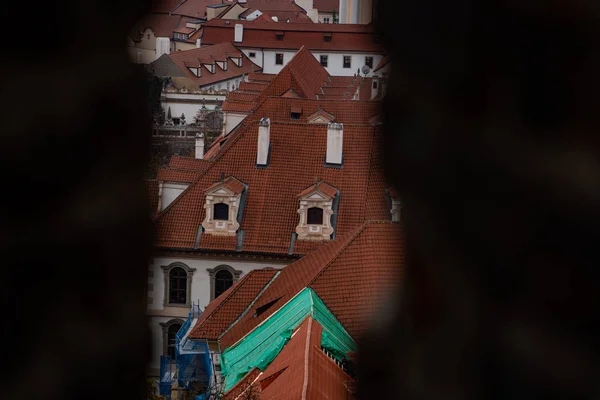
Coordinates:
335 139
264 140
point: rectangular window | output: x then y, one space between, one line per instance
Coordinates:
278 58
369 62
251 54
324 60
326 20
295 115
374 84
327 37
279 37
347 61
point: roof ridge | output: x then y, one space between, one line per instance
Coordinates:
236 287
218 156
352 237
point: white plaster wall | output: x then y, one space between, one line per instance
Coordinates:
323 15
256 60
200 288
231 120
141 56
170 192
229 84
335 65
269 66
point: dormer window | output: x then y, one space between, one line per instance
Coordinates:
327 37
314 216
316 211
279 36
295 113
222 206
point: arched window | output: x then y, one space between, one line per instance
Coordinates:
221 212
177 286
171 339
223 281
314 216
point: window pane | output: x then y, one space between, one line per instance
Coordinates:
171 339
315 216
223 281
347 61
221 212
369 61
279 58
177 286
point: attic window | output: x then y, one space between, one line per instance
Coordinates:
279 35
221 211
295 113
314 216
316 211
327 37
222 205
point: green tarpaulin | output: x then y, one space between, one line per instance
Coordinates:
260 347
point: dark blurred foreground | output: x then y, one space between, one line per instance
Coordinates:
492 138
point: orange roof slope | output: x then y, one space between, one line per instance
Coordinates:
211 55
259 34
190 163
194 8
270 212
303 73
350 275
225 309
302 371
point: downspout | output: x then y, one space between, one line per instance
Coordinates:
262 50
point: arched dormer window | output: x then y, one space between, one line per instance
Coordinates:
178 284
315 212
221 212
314 216
221 279
222 204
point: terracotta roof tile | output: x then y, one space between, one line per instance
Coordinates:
262 35
350 274
302 368
194 8
326 5
230 183
225 309
261 77
242 96
321 187
297 155
253 86
238 107
177 175
189 163
208 56
382 63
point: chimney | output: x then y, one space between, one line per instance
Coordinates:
264 139
198 43
239 33
335 138
199 146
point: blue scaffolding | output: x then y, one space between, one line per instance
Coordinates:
194 364
166 376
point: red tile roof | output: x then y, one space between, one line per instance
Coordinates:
188 163
382 63
253 86
225 309
326 5
162 25
177 175
350 274
164 6
270 215
194 8
261 77
209 55
301 370
230 183
259 34
321 187
238 107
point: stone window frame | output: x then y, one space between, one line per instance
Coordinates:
210 225
165 333
188 295
303 228
212 272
